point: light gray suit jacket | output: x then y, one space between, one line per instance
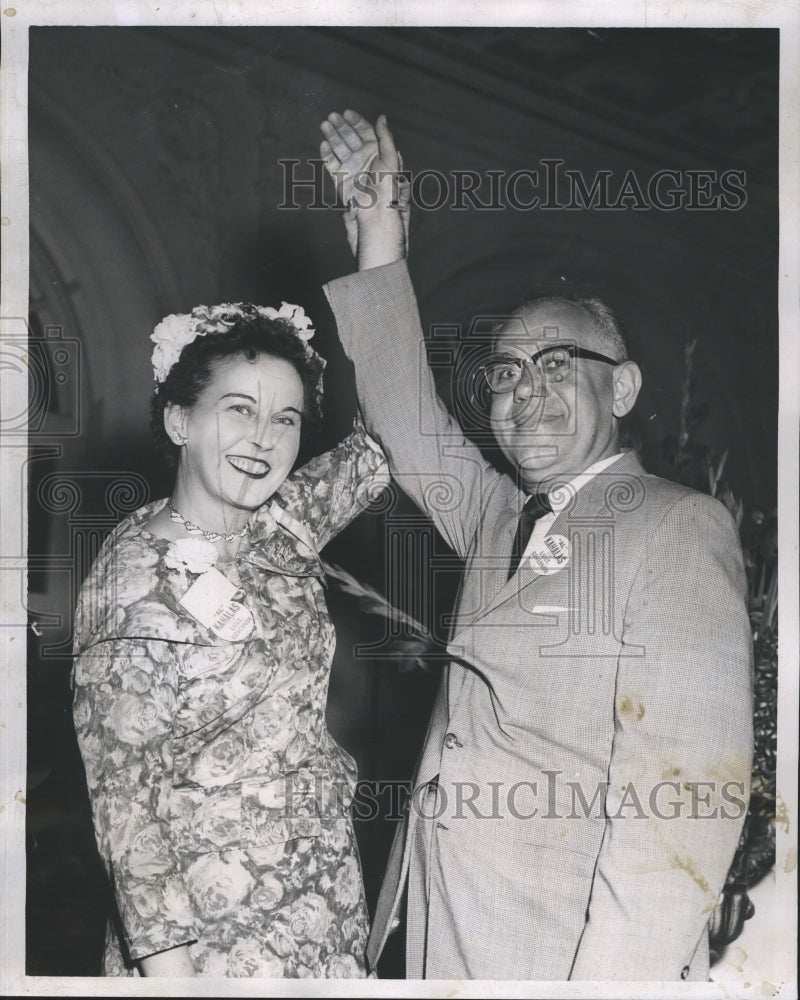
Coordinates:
593 735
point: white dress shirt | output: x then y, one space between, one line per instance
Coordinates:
559 498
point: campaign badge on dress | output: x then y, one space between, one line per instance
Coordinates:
551 557
211 601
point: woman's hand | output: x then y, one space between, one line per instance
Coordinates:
365 166
176 962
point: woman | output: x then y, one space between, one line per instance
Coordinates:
203 650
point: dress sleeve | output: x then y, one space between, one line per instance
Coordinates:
431 459
124 706
679 775
332 489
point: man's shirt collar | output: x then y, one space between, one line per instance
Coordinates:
561 495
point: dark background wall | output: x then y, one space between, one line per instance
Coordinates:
155 186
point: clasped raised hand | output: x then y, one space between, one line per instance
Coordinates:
367 171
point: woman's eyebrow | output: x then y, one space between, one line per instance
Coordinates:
254 401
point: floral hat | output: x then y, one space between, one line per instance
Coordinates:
174 332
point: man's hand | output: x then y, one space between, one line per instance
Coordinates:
365 166
349 148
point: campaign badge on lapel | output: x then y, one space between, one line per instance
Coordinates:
210 600
551 557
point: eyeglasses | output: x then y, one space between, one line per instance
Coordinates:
503 372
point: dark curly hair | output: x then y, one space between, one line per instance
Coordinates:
251 337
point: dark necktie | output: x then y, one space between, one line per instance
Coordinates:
536 506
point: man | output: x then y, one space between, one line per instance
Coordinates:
585 774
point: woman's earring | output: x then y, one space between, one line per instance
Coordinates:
180 439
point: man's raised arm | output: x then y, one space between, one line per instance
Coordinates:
379 325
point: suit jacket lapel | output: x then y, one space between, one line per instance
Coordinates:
592 500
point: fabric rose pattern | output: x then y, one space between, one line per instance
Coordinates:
220 800
218 884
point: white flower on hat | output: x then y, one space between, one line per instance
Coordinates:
171 335
177 330
295 315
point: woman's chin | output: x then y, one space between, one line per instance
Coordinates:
241 505
252 494
251 503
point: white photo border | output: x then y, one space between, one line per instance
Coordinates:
15 22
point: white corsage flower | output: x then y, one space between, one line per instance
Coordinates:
194 555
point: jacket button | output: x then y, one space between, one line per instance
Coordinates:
685 972
451 740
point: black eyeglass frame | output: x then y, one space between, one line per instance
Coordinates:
572 350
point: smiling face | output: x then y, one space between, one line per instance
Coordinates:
561 428
242 437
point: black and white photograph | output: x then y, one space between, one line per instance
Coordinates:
400 499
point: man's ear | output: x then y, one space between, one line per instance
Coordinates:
175 423
627 383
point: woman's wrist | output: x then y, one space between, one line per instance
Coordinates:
175 962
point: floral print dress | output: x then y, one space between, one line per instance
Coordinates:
221 803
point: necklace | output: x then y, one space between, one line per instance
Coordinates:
195 529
